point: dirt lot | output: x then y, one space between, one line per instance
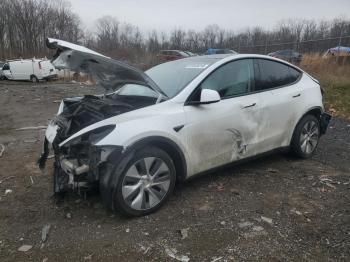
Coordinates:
276 208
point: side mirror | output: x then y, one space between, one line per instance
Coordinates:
209 96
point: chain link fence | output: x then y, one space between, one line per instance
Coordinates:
308 46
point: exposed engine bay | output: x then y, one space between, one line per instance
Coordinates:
90 109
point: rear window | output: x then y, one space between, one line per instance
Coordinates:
271 74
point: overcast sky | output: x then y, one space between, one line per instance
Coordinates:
165 15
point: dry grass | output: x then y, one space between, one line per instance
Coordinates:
334 76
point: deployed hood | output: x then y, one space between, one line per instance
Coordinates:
109 73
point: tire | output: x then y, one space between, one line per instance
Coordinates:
306 137
34 79
145 184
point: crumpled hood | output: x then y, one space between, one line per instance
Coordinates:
109 73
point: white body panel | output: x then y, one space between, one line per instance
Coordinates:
218 133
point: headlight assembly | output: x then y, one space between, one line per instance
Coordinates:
93 136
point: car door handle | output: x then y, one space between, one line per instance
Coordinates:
251 105
296 95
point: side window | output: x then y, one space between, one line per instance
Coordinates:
273 74
6 67
294 74
234 78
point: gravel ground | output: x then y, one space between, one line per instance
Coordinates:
275 208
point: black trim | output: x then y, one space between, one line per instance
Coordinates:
178 128
197 103
189 100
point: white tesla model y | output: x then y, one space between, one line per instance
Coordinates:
181 118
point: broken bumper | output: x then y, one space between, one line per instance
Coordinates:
82 172
79 161
325 118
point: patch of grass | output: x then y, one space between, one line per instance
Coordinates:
334 77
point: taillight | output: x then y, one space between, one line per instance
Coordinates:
39 65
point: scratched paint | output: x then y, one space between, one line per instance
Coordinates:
239 146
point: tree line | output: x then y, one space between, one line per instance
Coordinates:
25 24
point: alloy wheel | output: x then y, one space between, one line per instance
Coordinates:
146 183
309 137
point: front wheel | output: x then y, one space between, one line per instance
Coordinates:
306 136
146 182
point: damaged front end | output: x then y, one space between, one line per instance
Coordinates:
78 125
78 163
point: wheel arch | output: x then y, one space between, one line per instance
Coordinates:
316 111
170 147
33 75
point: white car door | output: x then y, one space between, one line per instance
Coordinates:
280 95
230 129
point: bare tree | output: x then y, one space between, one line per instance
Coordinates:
24 26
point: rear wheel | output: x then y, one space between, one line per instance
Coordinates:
34 79
146 182
306 137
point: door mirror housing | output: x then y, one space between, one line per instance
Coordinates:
209 96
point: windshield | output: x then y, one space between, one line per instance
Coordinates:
137 90
173 76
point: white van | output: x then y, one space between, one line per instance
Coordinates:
29 69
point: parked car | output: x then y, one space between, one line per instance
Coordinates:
342 51
170 55
29 69
287 55
213 51
178 119
190 53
